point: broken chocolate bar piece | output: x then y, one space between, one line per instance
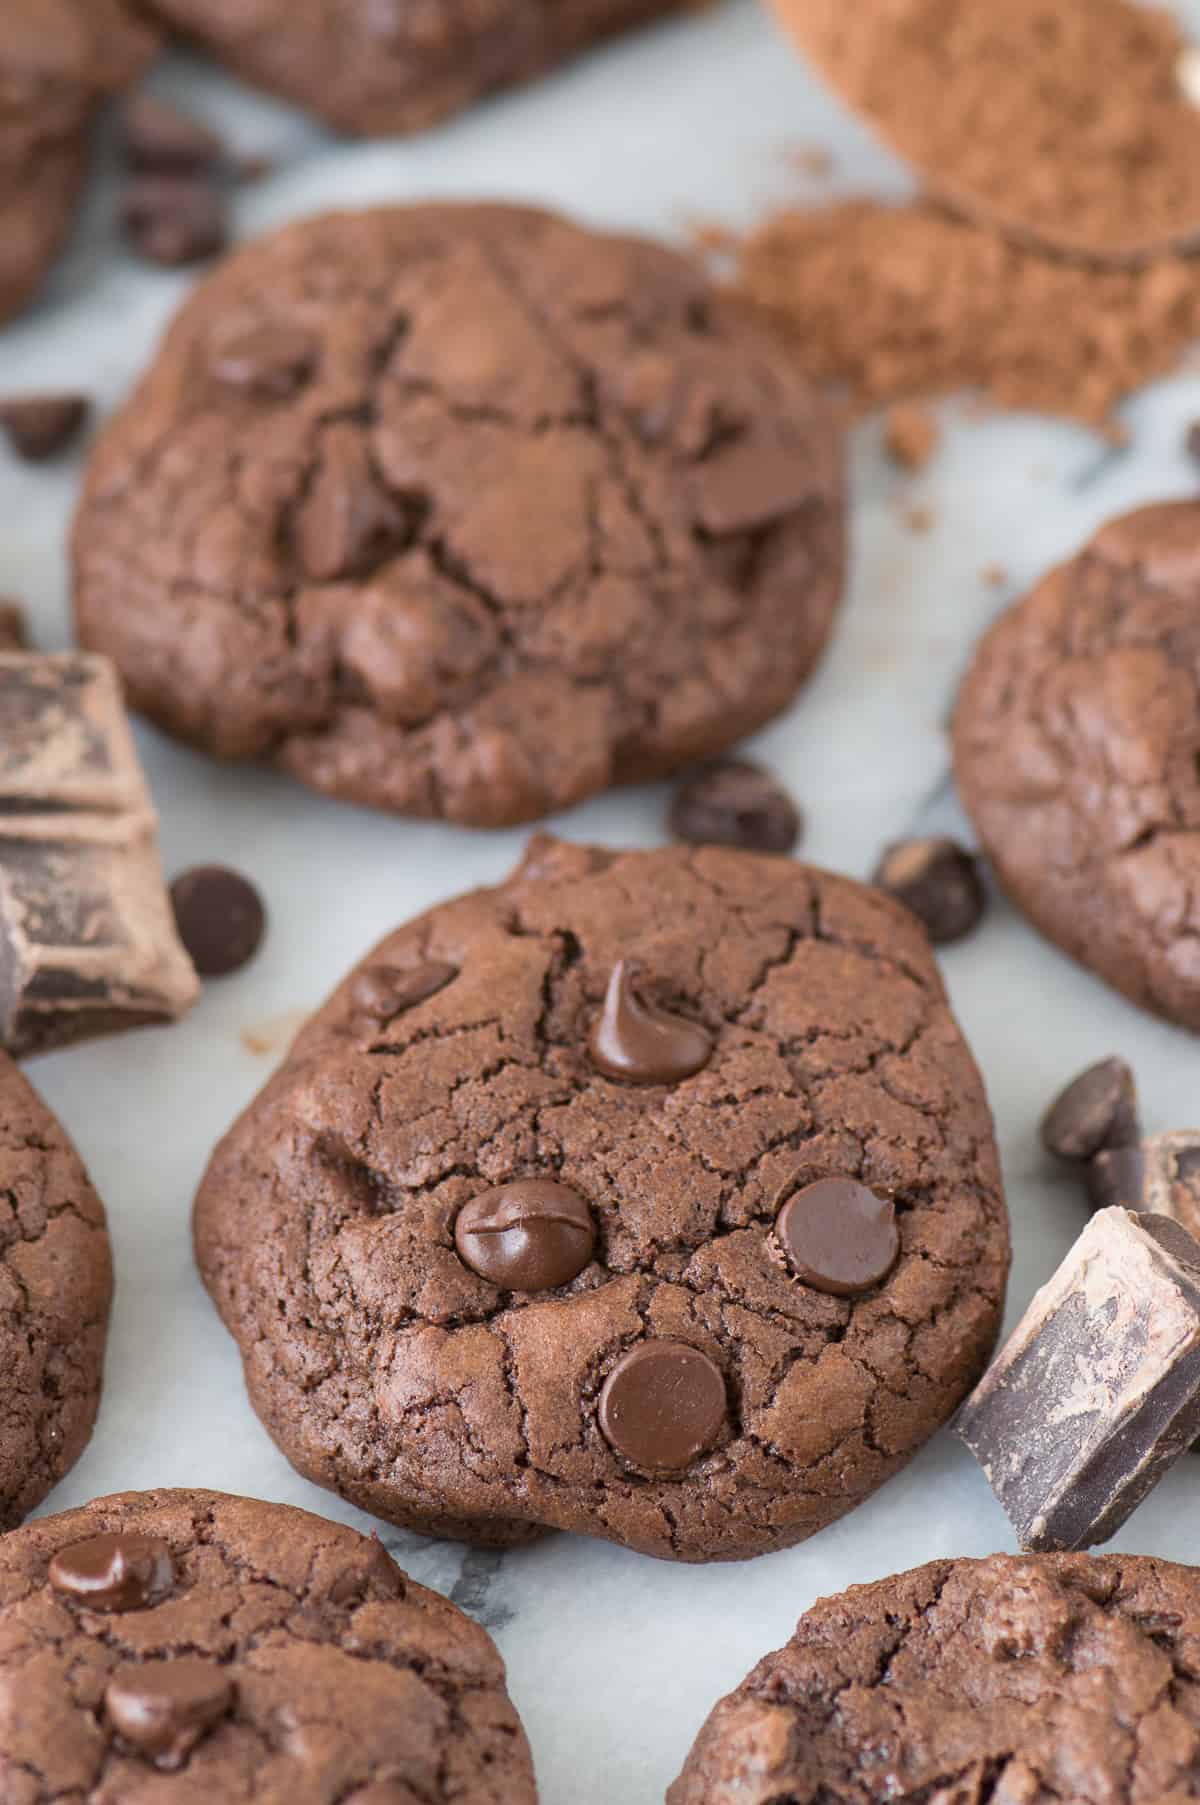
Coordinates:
87 940
1161 1175
1097 1391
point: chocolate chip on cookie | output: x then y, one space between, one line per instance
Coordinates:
257 1652
736 803
1007 1679
479 590
594 1202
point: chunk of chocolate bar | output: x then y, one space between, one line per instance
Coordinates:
1097 1391
1161 1175
87 939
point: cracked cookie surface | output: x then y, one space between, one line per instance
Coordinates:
347 1224
1077 751
298 1664
58 58
55 1294
375 67
1017 1681
462 512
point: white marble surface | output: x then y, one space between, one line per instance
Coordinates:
614 1660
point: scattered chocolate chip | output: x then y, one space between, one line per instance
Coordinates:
163 1708
158 137
1097 1110
174 220
838 1236
266 360
940 881
14 635
1159 1176
40 426
384 991
663 1405
735 803
640 1042
220 918
114 1572
249 166
1192 442
530 1235
1116 1179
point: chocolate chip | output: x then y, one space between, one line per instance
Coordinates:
114 1572
40 426
384 991
14 634
1160 1176
1192 441
735 803
530 1235
272 360
838 1236
1099 1109
249 166
937 879
174 220
349 524
220 918
157 136
639 1041
663 1405
1116 1179
163 1708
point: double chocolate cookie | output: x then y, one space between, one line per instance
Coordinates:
531 511
1057 1677
183 1645
1077 749
651 1196
374 67
58 58
55 1293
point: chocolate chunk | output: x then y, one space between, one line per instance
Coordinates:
163 1708
39 426
385 991
642 1043
271 360
1097 1391
939 881
14 633
663 1405
735 803
174 220
156 136
87 944
838 1236
114 1572
530 1235
1097 1110
220 918
1160 1175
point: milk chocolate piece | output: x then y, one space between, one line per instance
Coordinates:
87 942
1097 1391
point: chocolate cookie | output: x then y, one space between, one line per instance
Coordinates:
58 58
1077 748
55 1293
649 1195
1053 1677
187 1645
1070 124
375 67
531 512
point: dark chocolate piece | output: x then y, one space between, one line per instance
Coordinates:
1097 1391
1098 1110
385 991
87 944
642 1043
162 1709
838 1236
220 918
736 803
157 136
174 220
40 426
114 1572
939 880
530 1235
663 1405
14 631
1161 1174
1116 1179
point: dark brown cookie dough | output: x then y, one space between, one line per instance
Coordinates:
375 67
383 1349
1077 749
58 58
1070 1678
55 1293
184 1645
530 512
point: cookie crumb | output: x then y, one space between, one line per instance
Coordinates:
274 1037
920 518
911 435
994 575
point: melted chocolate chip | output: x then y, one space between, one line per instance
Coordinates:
384 991
162 1709
1097 1110
939 881
114 1572
271 360
663 1405
530 1235
838 1236
642 1043
736 803
220 918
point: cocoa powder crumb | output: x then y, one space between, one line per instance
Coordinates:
910 435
